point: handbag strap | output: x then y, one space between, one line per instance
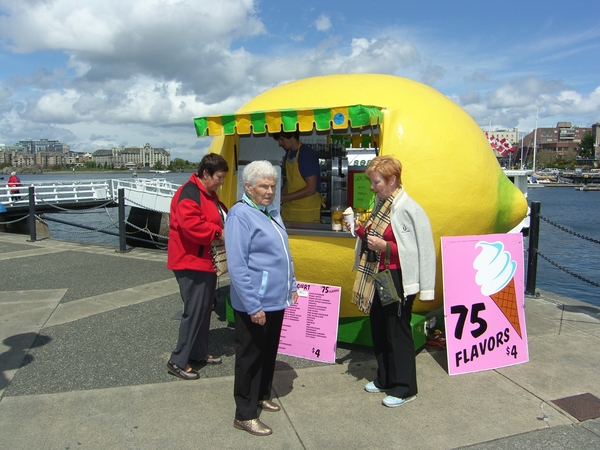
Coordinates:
388 250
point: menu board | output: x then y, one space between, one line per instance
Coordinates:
310 325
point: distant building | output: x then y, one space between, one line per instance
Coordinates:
49 159
43 145
560 139
132 157
511 136
21 159
77 159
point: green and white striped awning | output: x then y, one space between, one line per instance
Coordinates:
274 121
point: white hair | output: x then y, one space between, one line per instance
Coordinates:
257 171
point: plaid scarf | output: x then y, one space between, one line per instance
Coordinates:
364 289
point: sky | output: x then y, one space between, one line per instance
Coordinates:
96 74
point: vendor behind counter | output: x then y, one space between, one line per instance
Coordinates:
301 201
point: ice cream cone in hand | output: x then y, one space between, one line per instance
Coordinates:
349 218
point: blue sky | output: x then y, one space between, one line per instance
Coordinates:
102 73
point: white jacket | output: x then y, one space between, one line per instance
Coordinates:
416 249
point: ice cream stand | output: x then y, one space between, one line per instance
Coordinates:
348 119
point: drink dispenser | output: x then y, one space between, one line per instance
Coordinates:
334 178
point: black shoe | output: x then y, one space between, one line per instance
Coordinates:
210 360
181 373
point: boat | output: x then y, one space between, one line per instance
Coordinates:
534 182
587 187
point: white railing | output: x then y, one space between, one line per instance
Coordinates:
153 194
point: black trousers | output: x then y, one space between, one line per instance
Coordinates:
255 354
394 347
197 291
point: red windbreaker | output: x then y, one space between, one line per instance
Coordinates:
194 223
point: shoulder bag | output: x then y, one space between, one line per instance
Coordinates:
217 251
384 282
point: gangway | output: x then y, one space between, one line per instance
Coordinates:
152 194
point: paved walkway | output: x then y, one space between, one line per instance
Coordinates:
85 333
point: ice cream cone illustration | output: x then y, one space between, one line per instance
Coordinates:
506 299
495 275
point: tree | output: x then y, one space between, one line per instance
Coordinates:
586 147
157 165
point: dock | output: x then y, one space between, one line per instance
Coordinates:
86 332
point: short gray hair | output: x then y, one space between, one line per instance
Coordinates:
257 171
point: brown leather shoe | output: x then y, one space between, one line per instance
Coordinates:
252 426
269 406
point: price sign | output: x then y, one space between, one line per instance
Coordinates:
484 302
310 325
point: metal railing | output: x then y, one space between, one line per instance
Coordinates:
152 194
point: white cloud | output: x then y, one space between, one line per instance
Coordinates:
139 71
323 23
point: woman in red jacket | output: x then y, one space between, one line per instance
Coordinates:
197 218
13 183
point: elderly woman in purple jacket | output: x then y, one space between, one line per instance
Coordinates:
263 284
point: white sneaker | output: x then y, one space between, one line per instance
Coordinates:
370 387
392 402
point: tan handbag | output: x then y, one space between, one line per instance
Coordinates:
219 257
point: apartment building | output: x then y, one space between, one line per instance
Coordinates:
134 157
559 139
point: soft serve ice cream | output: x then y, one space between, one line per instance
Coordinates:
495 275
349 218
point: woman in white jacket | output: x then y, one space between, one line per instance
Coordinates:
399 226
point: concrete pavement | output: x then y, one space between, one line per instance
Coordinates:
86 332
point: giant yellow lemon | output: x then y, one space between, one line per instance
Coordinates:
448 165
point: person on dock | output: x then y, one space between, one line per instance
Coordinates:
13 183
263 285
197 218
396 236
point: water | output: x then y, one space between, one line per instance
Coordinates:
577 211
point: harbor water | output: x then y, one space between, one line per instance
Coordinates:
578 212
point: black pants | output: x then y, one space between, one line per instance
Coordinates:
255 354
197 291
394 347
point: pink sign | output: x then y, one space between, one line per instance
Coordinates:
484 302
310 325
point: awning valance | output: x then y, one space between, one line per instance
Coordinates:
259 122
